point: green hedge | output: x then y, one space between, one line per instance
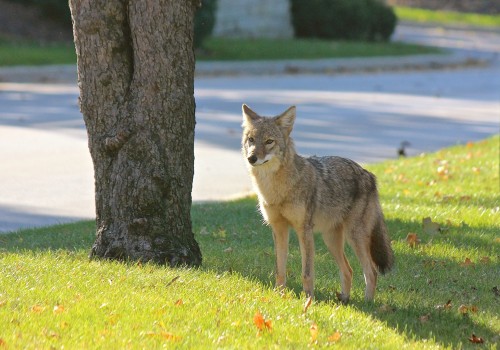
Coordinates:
204 21
58 10
367 20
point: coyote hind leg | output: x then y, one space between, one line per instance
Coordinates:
334 240
362 249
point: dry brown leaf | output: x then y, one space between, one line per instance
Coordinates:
424 318
179 302
446 306
164 335
476 340
465 309
3 343
261 323
36 309
412 239
485 260
335 337
386 308
168 336
467 263
58 309
314 332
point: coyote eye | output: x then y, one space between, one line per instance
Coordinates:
250 139
268 142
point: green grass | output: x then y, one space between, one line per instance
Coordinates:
33 54
52 296
224 49
447 17
276 49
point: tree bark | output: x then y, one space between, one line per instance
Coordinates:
136 80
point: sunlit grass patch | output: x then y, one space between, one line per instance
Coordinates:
444 288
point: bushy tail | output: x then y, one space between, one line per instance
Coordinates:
380 247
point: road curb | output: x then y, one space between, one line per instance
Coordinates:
68 74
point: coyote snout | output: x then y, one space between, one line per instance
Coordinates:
331 195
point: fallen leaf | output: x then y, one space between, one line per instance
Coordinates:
430 227
168 336
424 318
476 170
261 323
3 303
465 198
467 263
164 335
3 343
58 309
386 308
446 306
36 309
412 239
485 260
179 302
307 304
476 340
314 332
335 337
465 309
228 250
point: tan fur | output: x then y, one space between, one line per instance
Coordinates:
331 195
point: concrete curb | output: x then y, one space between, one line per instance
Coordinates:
341 65
67 73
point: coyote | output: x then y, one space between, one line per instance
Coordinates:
331 195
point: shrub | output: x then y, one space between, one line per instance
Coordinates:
204 21
58 10
366 20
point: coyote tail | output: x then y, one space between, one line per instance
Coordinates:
380 247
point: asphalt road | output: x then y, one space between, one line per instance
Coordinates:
46 173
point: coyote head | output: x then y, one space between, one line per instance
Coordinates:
265 139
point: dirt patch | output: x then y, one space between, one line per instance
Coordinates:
21 22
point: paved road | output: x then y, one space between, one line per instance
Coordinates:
46 173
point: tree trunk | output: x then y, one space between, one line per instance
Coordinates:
136 79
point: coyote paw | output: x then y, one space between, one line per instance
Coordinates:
344 299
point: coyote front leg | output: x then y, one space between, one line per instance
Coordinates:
280 237
306 242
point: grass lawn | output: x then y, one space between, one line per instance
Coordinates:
447 17
225 49
276 49
444 288
33 54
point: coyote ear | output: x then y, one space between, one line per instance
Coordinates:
249 116
286 119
